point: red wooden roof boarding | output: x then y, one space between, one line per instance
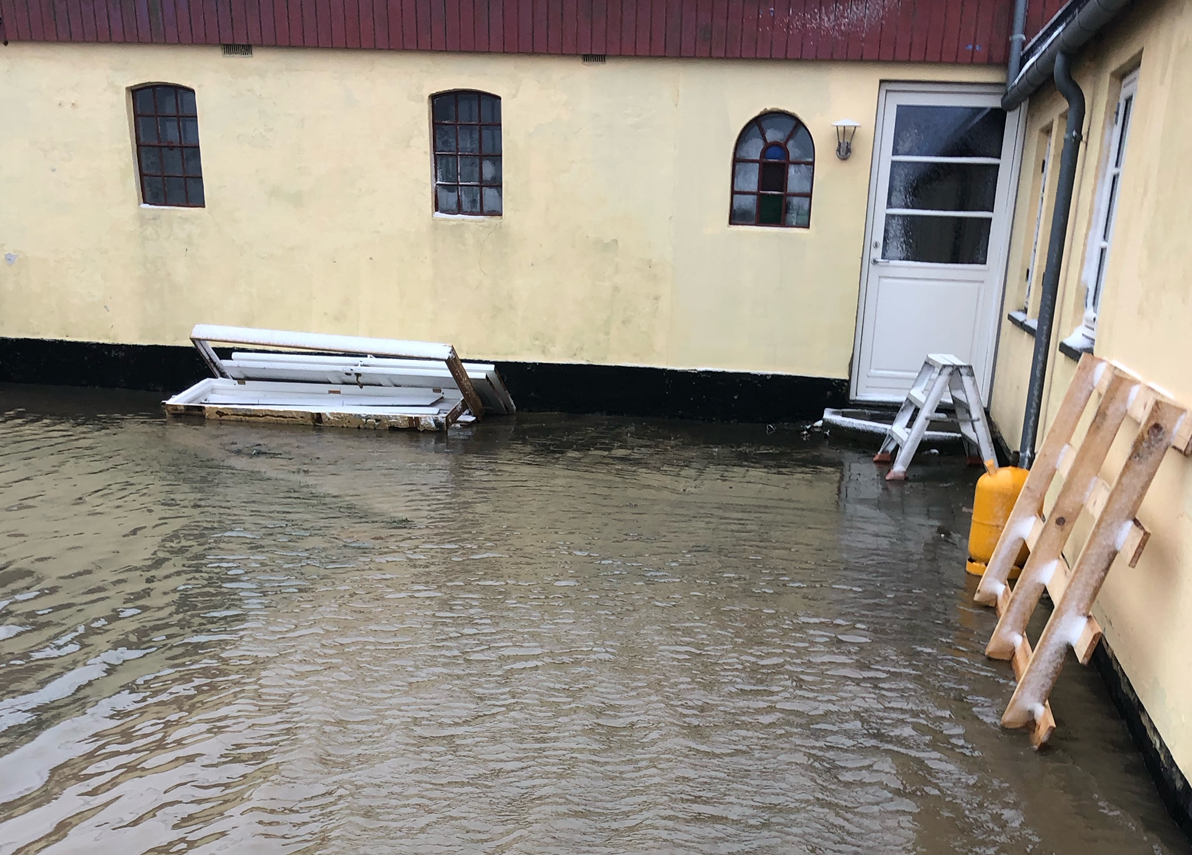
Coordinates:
952 31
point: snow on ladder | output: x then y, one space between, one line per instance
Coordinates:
941 372
1112 506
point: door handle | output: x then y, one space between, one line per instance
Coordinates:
879 261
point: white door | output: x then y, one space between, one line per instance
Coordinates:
939 207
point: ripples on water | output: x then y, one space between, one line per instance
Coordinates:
557 634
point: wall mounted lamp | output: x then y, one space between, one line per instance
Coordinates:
846 129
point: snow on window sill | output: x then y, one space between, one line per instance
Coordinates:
1020 320
1077 344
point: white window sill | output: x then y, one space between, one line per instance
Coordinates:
1020 320
1077 344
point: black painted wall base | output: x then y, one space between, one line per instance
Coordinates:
1169 780
535 386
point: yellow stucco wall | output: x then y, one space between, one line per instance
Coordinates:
1145 310
614 247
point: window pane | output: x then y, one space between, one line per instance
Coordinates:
745 176
445 168
750 145
940 240
1101 255
469 138
490 109
798 212
773 177
444 138
777 126
943 186
469 170
744 209
490 139
171 159
194 186
175 191
769 209
167 129
150 160
490 170
190 131
469 107
186 103
448 199
166 103
800 146
1113 192
443 108
798 178
949 131
147 130
142 101
1124 132
190 159
492 200
469 198
154 191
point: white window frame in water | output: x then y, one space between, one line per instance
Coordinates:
1108 193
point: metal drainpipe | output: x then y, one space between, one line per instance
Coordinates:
1065 181
1016 42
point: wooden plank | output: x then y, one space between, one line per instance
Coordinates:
718 16
409 24
583 43
1060 521
612 28
795 25
239 20
438 24
368 25
480 24
749 29
1034 490
540 34
465 384
628 27
339 24
673 26
1146 454
570 35
732 27
554 28
599 14
467 25
525 27
425 16
351 21
496 25
765 22
1045 724
697 28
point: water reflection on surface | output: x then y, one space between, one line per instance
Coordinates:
553 634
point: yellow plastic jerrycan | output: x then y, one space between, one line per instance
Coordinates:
997 490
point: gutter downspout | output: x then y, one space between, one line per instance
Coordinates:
1065 182
1017 40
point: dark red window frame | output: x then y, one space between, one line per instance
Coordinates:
166 122
775 158
467 159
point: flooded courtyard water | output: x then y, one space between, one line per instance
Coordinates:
549 634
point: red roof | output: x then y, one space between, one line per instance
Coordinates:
952 31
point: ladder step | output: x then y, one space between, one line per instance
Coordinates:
900 434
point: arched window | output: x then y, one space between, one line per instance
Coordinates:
772 170
167 131
467 153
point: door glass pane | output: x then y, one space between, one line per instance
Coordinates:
949 131
937 240
942 186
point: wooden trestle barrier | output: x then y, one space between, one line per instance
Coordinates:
1112 507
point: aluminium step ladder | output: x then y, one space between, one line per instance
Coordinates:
941 372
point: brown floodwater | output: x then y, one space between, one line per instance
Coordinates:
543 634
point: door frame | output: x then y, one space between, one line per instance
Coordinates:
1018 120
